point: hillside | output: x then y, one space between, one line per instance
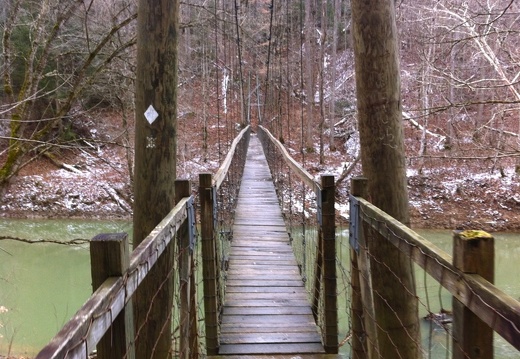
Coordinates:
459 100
94 183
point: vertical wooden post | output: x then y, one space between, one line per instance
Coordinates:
328 193
188 312
110 257
155 164
368 342
209 267
318 275
358 189
473 252
194 331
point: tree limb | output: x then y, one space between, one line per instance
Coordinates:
348 170
72 242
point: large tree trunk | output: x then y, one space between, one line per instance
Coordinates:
383 161
155 162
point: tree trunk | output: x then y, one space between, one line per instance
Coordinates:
309 73
426 92
383 161
155 162
242 119
450 137
321 69
332 112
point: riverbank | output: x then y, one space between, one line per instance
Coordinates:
100 189
94 183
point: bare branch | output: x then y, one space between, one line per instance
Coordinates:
72 242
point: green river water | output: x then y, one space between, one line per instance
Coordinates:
43 285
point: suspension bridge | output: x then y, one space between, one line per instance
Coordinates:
266 310
259 281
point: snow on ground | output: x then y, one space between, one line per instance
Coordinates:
450 196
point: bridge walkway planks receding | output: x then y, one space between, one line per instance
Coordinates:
266 313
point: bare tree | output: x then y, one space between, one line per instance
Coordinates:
332 102
310 89
383 161
60 53
469 68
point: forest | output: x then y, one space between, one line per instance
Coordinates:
68 84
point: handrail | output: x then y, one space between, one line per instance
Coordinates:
224 168
80 335
213 225
304 175
498 310
323 286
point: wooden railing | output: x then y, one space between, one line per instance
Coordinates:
322 286
479 308
105 320
218 199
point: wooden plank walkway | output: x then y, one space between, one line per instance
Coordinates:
266 313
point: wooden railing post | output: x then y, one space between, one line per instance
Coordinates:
328 224
187 290
364 343
318 274
473 253
209 262
358 189
109 257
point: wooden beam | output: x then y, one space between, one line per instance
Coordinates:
497 309
80 335
473 252
109 257
224 167
209 265
280 356
188 312
328 231
359 350
304 175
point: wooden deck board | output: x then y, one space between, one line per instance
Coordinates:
259 295
279 356
259 329
274 348
255 289
253 307
273 338
294 308
266 311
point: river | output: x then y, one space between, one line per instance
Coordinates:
43 285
